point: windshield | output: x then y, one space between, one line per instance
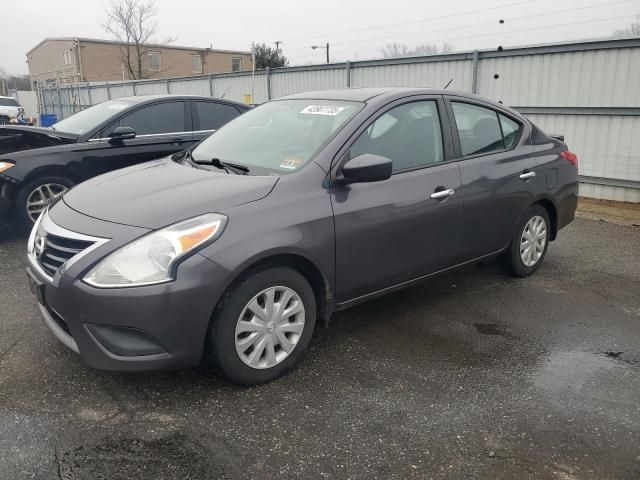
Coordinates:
8 102
277 137
89 118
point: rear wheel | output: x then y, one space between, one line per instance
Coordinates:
37 195
263 325
530 242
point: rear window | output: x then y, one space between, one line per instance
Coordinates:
8 102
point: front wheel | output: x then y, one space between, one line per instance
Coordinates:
263 325
530 242
37 195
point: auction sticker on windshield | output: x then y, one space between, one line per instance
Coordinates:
290 164
322 110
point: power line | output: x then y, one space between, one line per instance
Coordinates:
505 32
469 25
468 12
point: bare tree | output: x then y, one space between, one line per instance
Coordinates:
133 24
395 50
632 30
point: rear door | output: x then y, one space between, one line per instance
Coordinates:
161 129
498 173
210 116
393 231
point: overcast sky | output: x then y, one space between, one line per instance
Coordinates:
356 29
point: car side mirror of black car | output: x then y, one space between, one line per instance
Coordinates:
366 168
122 133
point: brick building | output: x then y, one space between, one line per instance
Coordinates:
70 60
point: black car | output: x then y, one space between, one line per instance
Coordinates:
39 164
301 207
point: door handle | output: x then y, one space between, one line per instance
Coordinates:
440 194
527 175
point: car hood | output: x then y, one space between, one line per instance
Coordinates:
156 194
14 138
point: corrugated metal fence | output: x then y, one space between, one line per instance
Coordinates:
588 91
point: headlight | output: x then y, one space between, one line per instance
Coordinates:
150 259
5 166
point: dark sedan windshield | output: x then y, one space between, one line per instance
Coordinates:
278 137
8 102
89 118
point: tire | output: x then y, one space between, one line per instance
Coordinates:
515 261
228 327
58 185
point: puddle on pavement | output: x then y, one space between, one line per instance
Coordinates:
577 370
171 457
490 329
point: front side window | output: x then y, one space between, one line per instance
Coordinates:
409 135
236 64
196 63
478 129
213 115
89 118
156 119
278 137
153 61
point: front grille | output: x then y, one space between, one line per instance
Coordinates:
59 250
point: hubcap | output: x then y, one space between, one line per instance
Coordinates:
533 240
42 197
269 327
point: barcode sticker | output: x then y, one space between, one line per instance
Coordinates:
322 110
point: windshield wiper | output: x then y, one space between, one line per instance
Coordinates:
216 162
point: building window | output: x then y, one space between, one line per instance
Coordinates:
236 64
153 61
66 57
196 63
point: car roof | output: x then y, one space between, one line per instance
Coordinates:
152 98
365 94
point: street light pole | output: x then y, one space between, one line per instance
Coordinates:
325 47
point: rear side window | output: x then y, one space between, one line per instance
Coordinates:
156 119
510 131
214 115
478 129
409 135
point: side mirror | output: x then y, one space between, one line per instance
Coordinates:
122 133
366 168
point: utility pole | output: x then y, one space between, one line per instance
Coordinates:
277 43
327 52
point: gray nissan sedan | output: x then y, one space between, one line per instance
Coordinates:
235 249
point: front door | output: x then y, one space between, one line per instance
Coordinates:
407 226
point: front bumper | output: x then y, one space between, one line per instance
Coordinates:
156 327
7 189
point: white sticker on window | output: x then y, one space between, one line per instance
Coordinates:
322 110
119 106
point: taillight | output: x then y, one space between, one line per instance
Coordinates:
570 157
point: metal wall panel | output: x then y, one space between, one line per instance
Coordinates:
152 88
429 74
592 78
198 86
607 146
237 86
286 83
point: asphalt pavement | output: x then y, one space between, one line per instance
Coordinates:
471 375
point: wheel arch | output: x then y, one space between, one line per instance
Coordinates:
552 211
322 288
